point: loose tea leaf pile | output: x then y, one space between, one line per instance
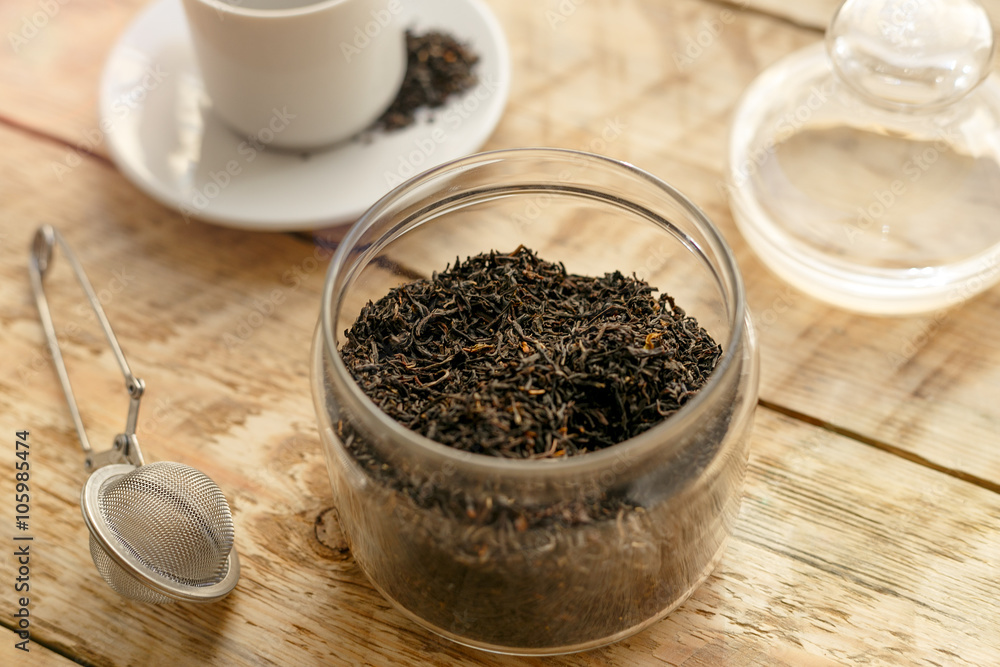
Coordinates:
511 356
438 66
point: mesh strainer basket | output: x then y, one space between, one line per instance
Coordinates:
160 532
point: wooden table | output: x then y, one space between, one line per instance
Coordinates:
870 528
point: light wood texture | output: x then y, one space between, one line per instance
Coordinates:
817 13
50 73
846 553
37 655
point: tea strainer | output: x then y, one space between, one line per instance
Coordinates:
159 532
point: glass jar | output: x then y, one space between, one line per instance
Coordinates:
631 530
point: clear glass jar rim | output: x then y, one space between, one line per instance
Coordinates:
679 422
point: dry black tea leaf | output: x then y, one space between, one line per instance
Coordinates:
438 67
511 356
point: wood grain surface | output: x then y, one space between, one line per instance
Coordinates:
817 13
40 656
870 530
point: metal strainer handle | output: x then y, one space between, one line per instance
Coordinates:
158 533
126 446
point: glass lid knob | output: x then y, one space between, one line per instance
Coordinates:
911 54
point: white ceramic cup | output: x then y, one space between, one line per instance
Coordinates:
307 72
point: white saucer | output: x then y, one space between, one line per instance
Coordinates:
162 135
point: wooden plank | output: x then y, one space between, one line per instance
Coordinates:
814 513
817 13
36 656
844 554
893 544
51 61
814 14
55 51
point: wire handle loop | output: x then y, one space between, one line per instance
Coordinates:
126 446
